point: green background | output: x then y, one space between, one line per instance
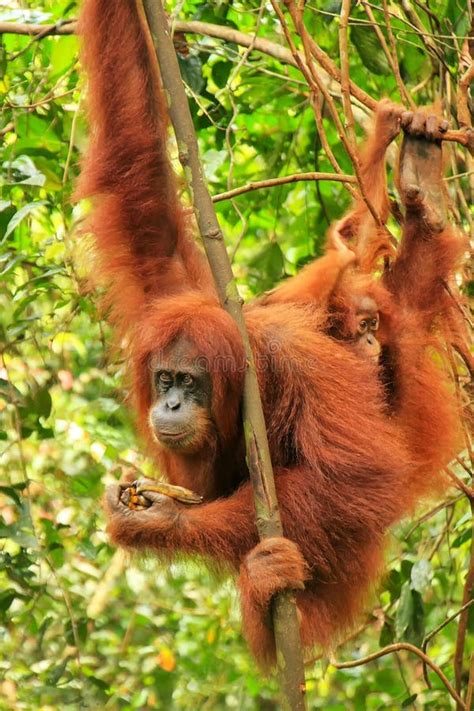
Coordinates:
82 626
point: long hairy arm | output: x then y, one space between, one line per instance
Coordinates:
143 248
355 238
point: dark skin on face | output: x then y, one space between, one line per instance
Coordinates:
180 415
357 326
363 326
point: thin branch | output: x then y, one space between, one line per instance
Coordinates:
464 617
327 63
310 73
10 126
444 533
416 22
463 464
412 31
318 117
463 106
273 182
434 632
229 34
66 27
399 647
443 624
390 52
316 84
345 76
47 99
242 60
432 512
307 70
470 685
72 139
459 484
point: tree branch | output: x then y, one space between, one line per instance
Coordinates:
434 632
390 52
459 484
316 84
327 63
464 617
345 76
64 27
399 647
306 66
229 34
463 111
286 625
283 180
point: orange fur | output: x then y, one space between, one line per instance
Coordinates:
342 466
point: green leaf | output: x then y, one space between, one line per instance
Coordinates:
12 493
26 210
416 632
42 402
9 391
220 73
6 599
268 265
63 55
367 45
55 674
21 169
387 634
191 71
405 569
11 263
421 575
404 611
463 538
394 584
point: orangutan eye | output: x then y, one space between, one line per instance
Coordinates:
165 378
188 379
362 327
374 324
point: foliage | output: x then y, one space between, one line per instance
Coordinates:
82 626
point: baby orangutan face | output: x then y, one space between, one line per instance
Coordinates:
180 415
365 327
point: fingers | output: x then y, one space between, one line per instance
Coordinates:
388 117
121 500
128 477
277 563
422 125
388 111
418 124
406 119
112 499
142 482
155 497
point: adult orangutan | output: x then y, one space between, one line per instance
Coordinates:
345 469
